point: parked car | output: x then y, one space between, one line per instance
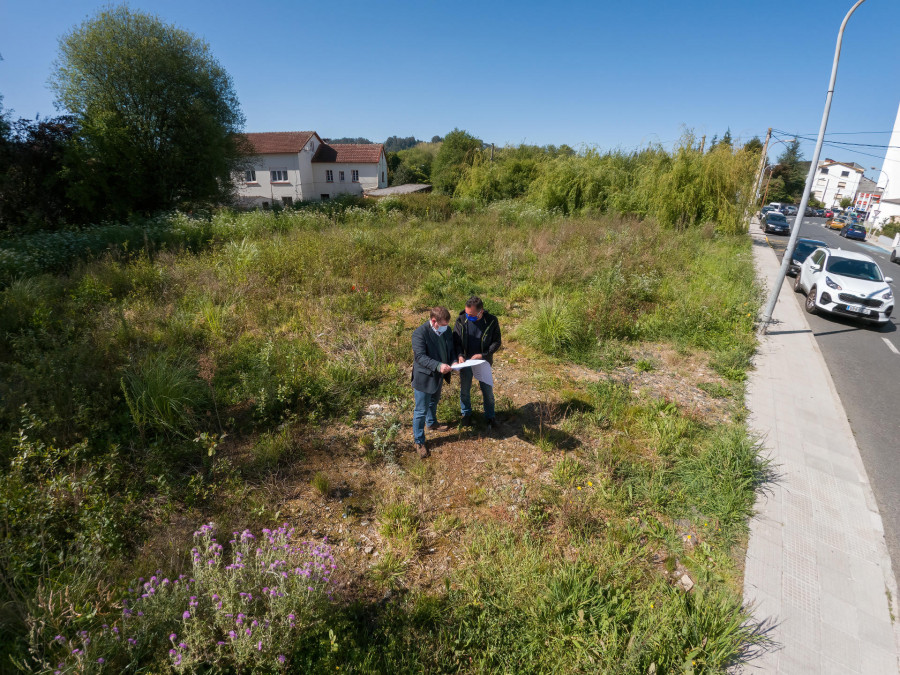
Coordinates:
853 231
837 223
802 251
790 210
846 283
764 210
820 213
829 213
810 212
776 223
895 254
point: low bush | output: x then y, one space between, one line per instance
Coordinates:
241 608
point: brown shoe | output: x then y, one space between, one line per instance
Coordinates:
438 427
422 450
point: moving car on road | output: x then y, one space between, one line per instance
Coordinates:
846 283
853 231
837 223
775 223
802 251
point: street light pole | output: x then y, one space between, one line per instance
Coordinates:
813 167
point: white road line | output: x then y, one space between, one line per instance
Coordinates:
891 346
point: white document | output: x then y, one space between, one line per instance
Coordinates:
481 370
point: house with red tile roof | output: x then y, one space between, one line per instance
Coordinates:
290 166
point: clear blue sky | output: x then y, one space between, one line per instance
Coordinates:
595 73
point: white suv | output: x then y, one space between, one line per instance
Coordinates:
846 283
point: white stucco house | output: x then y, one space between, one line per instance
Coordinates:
888 211
290 166
835 181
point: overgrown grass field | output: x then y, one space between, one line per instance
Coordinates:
191 375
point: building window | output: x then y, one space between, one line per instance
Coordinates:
844 174
382 176
824 170
329 175
341 174
266 206
821 181
250 176
841 186
279 176
287 201
325 197
354 176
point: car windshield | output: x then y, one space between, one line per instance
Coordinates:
855 269
776 218
804 248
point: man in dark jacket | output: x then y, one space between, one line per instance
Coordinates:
476 335
433 352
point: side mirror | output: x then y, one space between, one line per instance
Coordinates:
888 280
815 268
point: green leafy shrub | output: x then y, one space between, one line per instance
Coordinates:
60 506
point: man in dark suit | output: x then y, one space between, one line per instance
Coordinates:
433 352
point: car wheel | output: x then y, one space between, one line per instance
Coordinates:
797 287
893 256
811 301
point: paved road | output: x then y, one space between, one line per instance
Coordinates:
865 365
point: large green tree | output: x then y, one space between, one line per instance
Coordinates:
158 117
790 173
456 153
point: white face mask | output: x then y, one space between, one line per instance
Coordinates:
439 329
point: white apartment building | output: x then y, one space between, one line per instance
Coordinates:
291 166
836 180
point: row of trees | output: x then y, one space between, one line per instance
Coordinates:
153 122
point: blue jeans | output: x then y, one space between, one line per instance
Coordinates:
465 394
424 413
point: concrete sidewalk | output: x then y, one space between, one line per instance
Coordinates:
817 568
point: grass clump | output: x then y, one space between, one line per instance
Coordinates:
162 394
555 327
568 472
399 524
321 483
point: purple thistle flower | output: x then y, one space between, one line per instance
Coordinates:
172 652
173 637
232 634
178 660
181 645
132 641
101 660
186 615
281 659
60 638
259 646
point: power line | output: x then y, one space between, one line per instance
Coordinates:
845 143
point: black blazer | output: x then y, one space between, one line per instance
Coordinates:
427 358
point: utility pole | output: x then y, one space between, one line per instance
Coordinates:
702 143
814 163
762 164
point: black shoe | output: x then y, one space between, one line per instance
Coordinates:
422 450
491 425
466 421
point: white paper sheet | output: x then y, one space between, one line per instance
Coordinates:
481 370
